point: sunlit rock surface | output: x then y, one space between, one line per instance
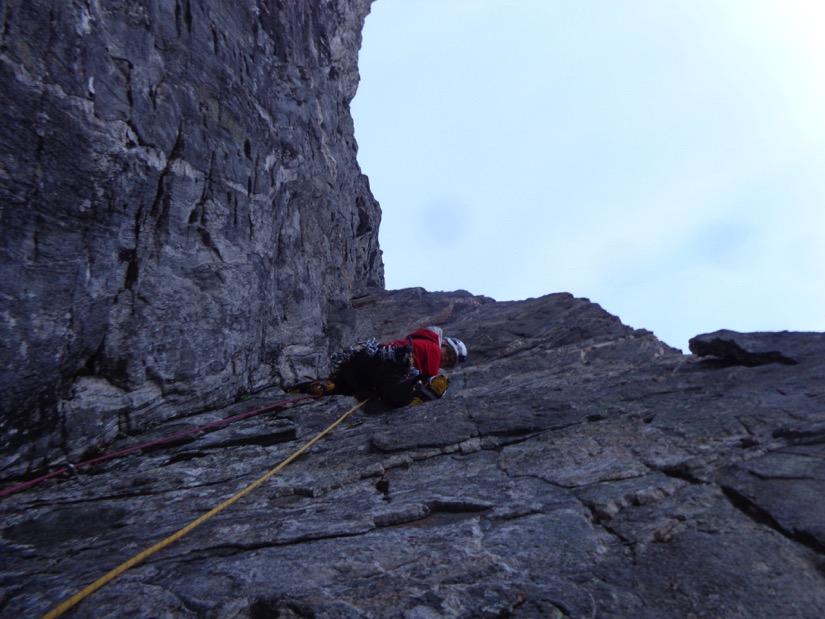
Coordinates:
577 467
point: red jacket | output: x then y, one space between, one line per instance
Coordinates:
426 351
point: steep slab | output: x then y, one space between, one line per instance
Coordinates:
577 467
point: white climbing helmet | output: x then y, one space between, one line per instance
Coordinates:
458 347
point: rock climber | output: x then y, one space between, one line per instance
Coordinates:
401 372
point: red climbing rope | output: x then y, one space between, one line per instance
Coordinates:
165 440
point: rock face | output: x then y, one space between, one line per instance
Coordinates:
183 220
752 349
180 206
577 467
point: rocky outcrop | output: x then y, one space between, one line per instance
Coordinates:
577 467
752 349
183 222
180 207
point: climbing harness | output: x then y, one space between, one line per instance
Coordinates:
61 608
160 442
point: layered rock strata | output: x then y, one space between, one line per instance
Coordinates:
576 468
180 206
182 221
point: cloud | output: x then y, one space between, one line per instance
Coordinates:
665 161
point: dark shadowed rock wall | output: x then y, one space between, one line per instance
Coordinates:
180 204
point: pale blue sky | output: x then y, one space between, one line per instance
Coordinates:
664 159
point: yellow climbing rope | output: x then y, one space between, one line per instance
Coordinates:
61 608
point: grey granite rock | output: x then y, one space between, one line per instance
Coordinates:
577 467
180 206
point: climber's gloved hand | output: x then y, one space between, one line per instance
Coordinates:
430 389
